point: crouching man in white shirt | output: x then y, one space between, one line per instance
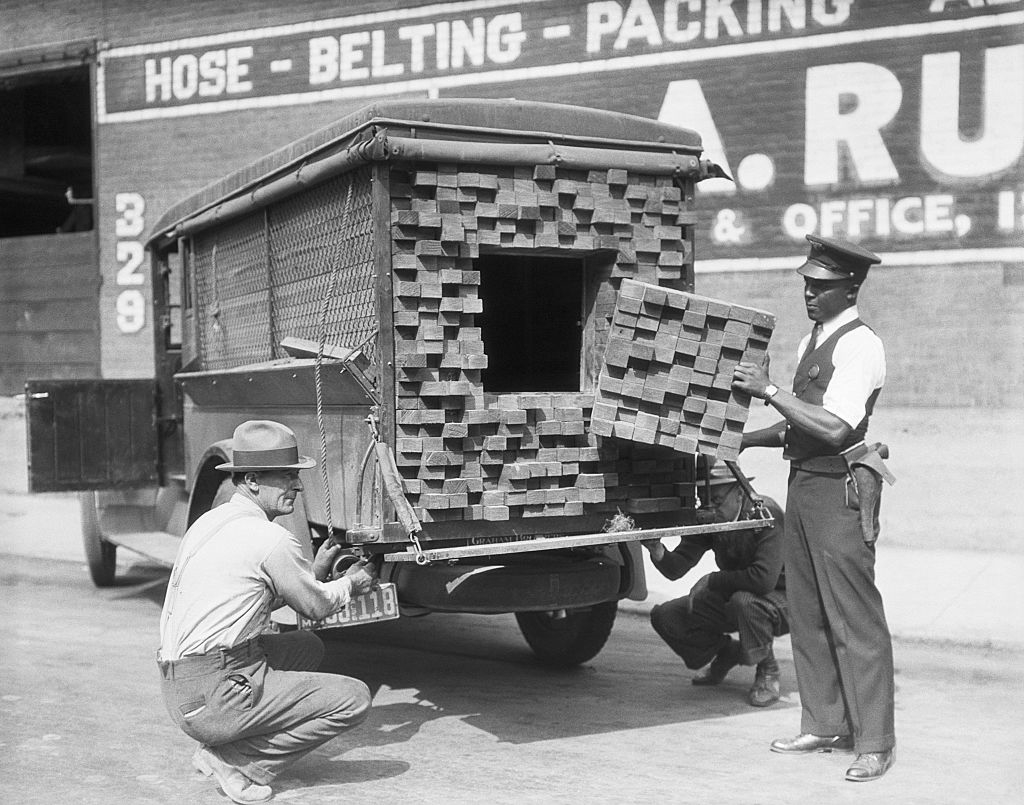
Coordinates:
251 698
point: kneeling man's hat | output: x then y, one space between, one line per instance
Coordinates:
837 260
262 444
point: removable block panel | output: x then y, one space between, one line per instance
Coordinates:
525 450
667 373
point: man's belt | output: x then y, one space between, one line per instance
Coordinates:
824 464
193 665
860 455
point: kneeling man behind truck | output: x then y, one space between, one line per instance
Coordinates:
746 595
251 698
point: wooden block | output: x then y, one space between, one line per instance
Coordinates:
630 289
574 428
622 430
723 380
455 430
694 318
734 341
704 366
646 421
648 505
709 350
686 443
550 427
495 513
617 177
718 310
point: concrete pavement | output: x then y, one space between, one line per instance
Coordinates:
944 596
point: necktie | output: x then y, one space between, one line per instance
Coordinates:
813 341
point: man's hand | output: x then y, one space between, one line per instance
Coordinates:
362 576
699 590
655 548
751 378
324 560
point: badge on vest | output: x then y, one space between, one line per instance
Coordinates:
813 372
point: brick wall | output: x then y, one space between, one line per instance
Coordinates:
954 335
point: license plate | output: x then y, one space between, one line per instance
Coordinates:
380 604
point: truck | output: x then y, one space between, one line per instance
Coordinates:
479 315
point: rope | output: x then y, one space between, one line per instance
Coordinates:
318 382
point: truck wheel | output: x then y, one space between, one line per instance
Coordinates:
100 555
567 637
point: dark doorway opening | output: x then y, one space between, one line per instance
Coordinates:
46 153
531 323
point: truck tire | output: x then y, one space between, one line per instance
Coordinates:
568 637
100 555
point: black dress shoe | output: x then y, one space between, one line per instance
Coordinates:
726 659
806 743
870 766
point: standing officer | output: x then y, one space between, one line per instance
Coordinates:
841 644
746 595
250 698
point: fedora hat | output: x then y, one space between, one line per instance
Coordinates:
261 444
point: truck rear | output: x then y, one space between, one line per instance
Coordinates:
478 315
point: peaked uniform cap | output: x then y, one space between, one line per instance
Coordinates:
262 444
836 260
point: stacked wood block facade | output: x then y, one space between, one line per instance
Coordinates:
468 454
668 370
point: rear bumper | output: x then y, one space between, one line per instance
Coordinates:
512 584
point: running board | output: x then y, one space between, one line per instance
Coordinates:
527 545
160 546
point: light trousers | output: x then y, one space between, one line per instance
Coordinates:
261 706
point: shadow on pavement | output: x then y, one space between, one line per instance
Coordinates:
418 670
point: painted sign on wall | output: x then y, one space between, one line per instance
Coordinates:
901 124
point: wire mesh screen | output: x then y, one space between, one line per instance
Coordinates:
269 275
233 297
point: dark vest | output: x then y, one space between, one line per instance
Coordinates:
813 374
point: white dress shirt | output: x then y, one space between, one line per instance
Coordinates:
232 564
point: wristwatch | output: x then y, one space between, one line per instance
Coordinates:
770 391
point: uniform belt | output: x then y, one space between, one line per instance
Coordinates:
199 664
822 464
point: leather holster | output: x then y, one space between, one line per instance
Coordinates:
867 470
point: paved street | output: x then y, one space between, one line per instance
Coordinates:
462 714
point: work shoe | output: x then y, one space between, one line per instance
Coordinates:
806 743
232 782
726 659
870 766
766 688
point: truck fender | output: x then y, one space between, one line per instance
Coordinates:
634 578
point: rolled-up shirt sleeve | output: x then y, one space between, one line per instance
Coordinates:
291 574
